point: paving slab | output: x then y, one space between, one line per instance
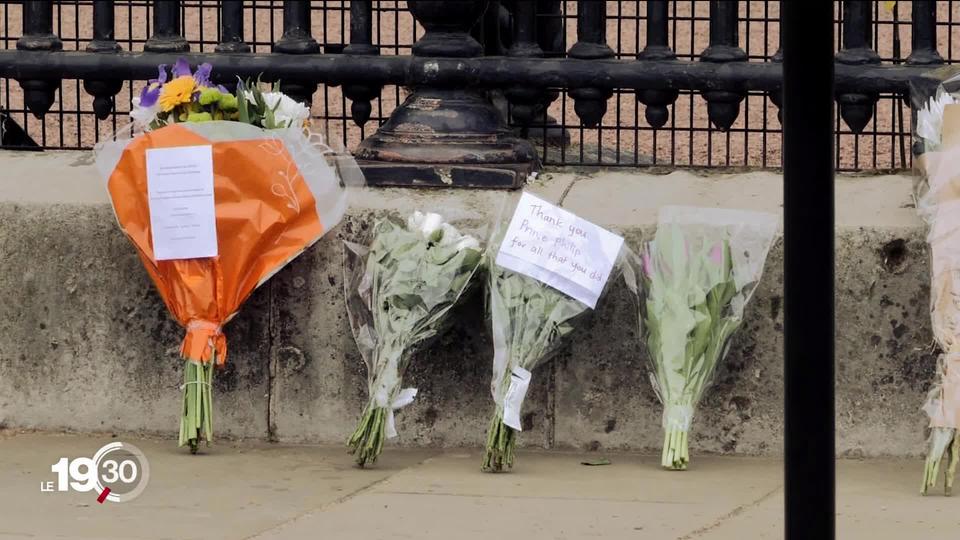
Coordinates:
256 490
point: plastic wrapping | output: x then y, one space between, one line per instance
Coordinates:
693 281
276 192
937 157
399 289
529 322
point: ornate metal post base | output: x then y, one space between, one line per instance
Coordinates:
443 136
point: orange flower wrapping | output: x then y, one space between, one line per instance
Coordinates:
265 213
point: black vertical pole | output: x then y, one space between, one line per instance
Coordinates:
923 49
361 43
39 94
808 121
166 37
231 28
103 90
657 48
590 104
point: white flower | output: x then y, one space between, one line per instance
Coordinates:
450 235
286 111
143 116
427 224
453 237
414 221
468 242
930 118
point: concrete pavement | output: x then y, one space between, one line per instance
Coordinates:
238 490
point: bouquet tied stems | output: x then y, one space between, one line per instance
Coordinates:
366 443
501 442
676 426
196 422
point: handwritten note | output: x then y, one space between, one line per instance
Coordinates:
560 249
183 220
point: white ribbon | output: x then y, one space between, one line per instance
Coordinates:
404 398
513 400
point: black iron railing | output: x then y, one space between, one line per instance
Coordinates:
471 55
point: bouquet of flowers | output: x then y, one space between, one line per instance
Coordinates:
399 290
192 97
938 203
529 321
272 187
549 269
693 281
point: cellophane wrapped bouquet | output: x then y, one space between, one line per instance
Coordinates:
400 287
936 100
693 280
276 189
530 321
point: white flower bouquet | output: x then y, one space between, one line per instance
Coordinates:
937 150
399 290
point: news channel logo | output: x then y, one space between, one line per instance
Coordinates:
117 472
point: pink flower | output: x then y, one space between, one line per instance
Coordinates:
716 254
647 263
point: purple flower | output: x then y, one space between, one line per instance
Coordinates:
181 68
202 75
150 92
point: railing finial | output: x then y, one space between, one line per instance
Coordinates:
361 43
723 106
657 48
103 90
590 103
297 38
39 94
856 109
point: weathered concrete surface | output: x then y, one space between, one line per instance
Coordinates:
85 343
263 491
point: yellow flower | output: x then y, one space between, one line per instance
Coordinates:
176 92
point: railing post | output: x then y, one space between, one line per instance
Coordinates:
856 109
231 37
526 102
297 38
361 43
590 104
231 28
103 90
657 48
167 36
723 106
39 94
553 43
923 42
550 33
446 132
777 96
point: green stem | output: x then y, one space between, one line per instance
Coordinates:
366 443
501 442
196 420
676 454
